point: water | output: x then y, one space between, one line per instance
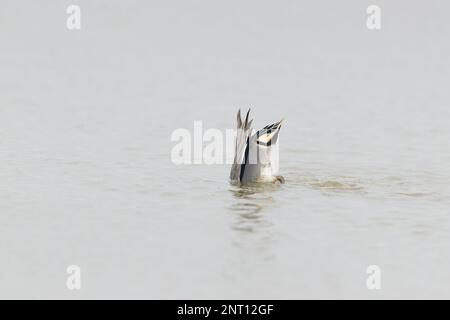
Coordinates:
86 176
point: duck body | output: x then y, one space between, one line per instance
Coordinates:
256 154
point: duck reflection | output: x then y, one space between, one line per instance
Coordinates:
251 199
251 217
252 227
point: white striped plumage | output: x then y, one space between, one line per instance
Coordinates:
255 160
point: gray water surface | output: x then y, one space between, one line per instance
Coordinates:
86 176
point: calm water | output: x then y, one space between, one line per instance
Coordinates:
86 176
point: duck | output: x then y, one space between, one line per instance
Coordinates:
255 153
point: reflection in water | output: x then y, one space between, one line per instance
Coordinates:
252 198
251 223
